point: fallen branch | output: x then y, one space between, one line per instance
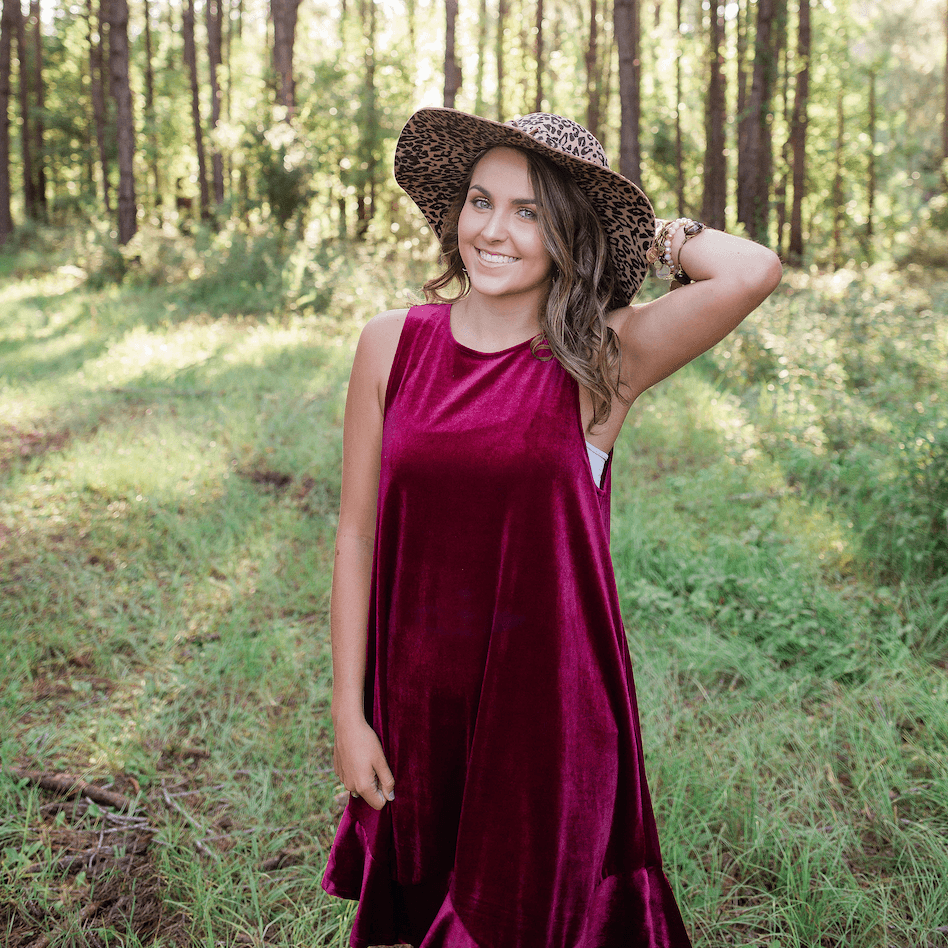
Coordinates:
69 786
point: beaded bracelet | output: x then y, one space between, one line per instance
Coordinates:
659 254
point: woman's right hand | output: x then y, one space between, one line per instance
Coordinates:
360 764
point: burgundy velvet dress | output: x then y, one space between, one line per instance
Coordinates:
498 678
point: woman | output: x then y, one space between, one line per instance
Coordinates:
483 704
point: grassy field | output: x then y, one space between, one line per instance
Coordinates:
169 475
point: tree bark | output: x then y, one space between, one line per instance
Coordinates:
26 137
798 125
593 72
98 24
124 119
39 94
538 56
369 125
871 182
838 182
452 68
714 203
8 28
503 8
480 101
284 14
626 18
755 165
214 13
190 58
150 122
679 144
944 124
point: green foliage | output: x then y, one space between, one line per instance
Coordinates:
169 480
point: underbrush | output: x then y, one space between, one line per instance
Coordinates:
169 465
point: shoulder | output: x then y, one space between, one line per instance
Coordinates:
375 353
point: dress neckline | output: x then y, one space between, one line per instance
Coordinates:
479 353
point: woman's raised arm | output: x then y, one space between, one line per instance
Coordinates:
731 277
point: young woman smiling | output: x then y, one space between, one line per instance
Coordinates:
484 709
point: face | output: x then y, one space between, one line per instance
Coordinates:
499 234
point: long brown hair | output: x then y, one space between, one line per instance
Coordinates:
583 289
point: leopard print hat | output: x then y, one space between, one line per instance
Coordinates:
437 147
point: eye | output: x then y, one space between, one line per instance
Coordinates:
527 213
480 202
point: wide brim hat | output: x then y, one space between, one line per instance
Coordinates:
437 148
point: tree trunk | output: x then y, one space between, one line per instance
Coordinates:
8 28
626 18
213 11
714 203
754 169
150 122
26 137
98 24
944 125
593 72
679 144
871 169
284 14
780 188
838 182
480 102
369 125
503 8
190 59
538 56
798 123
124 119
39 93
452 68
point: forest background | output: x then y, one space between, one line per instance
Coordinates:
196 218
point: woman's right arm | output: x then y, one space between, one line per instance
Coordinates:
357 755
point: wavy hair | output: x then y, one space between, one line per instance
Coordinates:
583 289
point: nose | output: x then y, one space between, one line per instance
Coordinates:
495 228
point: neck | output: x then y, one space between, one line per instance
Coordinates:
490 324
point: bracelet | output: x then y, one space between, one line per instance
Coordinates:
692 229
659 254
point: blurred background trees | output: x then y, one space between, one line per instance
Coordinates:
815 126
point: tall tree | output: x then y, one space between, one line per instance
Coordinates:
837 192
368 123
679 143
626 18
213 14
483 21
944 124
503 8
190 59
8 29
26 136
98 24
539 58
452 67
756 162
39 95
798 128
124 119
284 14
871 182
150 123
714 202
593 71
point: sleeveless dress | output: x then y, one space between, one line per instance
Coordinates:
498 675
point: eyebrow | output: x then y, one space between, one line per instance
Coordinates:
486 193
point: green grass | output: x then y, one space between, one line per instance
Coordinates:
169 475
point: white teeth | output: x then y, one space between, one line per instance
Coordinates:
496 257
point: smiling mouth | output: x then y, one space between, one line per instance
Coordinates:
496 257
